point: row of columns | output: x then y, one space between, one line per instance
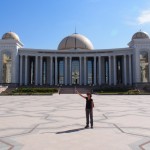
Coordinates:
99 71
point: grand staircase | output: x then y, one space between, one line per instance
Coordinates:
72 90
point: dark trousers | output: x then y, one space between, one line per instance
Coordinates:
89 114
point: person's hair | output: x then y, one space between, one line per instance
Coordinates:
88 93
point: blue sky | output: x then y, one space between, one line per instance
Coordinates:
44 23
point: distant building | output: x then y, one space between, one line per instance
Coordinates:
75 62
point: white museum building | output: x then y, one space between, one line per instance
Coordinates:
75 62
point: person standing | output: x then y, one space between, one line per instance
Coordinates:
88 108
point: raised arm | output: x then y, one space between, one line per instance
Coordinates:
80 94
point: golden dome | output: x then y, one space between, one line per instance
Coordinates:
10 35
75 41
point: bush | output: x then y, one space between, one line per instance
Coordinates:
111 89
135 92
35 90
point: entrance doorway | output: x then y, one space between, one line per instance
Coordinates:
75 71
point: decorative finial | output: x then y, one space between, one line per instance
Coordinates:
75 30
75 37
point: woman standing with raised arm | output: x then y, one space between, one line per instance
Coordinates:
88 108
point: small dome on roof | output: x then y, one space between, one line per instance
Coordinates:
10 35
75 41
140 35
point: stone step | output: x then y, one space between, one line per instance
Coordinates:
8 90
73 90
3 88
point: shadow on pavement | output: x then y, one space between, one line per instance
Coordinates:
70 131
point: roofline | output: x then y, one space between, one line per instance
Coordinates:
74 50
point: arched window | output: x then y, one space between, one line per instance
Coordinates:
144 67
7 65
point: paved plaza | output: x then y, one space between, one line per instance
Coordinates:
57 123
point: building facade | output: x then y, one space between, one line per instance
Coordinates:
75 62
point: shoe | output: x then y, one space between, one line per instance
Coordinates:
86 126
91 127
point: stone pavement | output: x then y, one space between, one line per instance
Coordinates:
57 123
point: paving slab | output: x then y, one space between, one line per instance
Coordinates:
57 123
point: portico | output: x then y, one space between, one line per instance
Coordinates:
77 69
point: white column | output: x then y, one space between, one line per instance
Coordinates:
80 70
115 77
56 74
99 70
70 70
130 74
95 70
20 69
51 70
85 82
125 70
65 70
26 69
36 70
136 68
41 70
109 70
